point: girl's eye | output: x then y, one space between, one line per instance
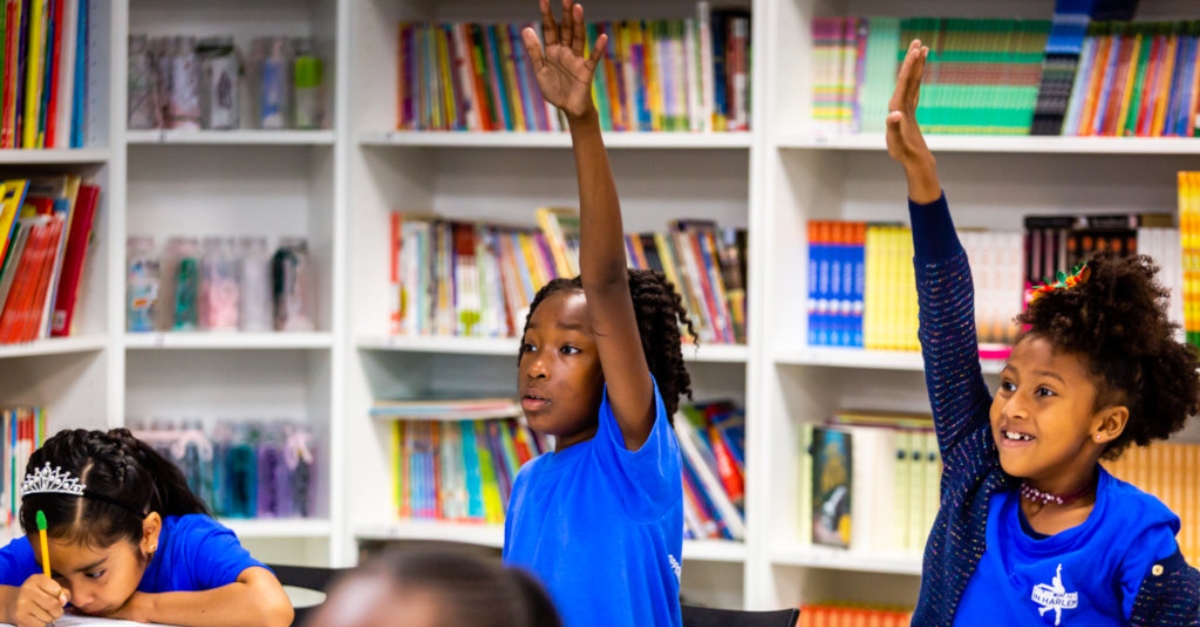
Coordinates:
527 348
1008 386
95 575
571 350
1043 391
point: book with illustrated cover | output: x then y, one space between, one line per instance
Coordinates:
831 479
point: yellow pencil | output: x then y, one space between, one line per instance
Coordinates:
41 523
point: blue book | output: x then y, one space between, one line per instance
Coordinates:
493 50
859 269
475 509
78 112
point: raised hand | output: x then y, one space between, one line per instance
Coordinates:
905 143
564 74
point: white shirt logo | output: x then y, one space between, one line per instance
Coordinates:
1054 597
676 567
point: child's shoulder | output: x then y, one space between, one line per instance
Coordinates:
1133 508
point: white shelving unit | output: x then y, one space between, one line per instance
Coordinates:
337 187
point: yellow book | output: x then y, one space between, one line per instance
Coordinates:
653 77
449 98
397 485
493 507
1130 79
560 226
510 78
871 302
33 72
537 273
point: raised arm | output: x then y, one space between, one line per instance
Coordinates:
564 75
957 392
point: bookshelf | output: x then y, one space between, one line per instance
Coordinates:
337 186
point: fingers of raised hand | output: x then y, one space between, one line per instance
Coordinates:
534 48
598 51
549 28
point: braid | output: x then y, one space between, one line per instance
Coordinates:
125 478
661 317
660 314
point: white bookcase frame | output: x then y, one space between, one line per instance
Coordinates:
337 187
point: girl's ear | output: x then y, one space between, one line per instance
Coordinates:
151 527
1110 423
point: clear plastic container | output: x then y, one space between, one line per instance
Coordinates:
182 284
292 279
257 303
219 291
142 283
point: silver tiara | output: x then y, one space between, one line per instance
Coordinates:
46 480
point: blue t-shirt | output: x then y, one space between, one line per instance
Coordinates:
195 553
1088 575
602 526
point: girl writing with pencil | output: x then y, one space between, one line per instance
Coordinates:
127 539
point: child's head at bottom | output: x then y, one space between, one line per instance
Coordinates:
559 377
104 495
436 588
1099 367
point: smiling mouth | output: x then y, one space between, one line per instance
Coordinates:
1016 436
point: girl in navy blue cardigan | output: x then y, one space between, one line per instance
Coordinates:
1031 529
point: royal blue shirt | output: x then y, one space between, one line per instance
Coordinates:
602 526
194 553
1086 575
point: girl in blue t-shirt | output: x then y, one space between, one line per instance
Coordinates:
599 520
1031 529
127 540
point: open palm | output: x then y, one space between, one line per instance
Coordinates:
563 73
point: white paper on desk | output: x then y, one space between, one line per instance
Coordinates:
75 620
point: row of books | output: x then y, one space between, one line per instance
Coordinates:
45 229
665 75
476 279
1136 80
1168 470
712 437
45 60
22 431
869 481
851 615
862 290
981 75
456 460
242 469
1189 235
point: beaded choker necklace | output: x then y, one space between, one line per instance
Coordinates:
1045 498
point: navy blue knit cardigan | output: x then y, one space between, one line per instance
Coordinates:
971 463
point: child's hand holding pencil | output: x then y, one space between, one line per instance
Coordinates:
40 600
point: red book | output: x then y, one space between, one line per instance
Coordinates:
74 260
22 286
55 55
10 74
32 322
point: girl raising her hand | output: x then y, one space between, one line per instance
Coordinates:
599 520
1032 530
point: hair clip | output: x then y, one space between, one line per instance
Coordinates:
1065 281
